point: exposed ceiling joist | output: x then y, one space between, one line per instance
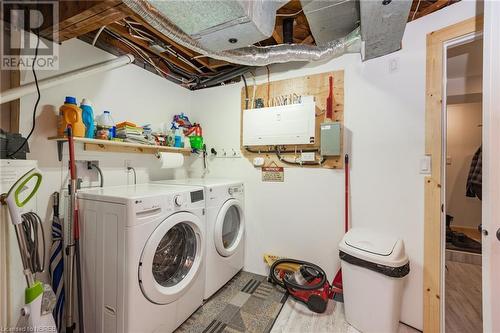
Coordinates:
432 8
85 18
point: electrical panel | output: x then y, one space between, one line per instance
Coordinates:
291 124
330 139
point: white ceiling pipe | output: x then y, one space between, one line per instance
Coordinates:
15 93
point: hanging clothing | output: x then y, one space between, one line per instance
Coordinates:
475 179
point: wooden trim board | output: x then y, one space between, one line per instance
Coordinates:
311 85
123 147
433 147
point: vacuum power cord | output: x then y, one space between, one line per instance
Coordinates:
33 230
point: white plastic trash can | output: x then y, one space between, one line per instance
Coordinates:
374 266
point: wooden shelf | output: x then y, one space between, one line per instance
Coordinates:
118 146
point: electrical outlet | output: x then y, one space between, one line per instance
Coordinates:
85 172
393 65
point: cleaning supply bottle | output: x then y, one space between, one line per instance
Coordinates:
88 118
70 114
178 138
105 125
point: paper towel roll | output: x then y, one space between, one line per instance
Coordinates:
171 160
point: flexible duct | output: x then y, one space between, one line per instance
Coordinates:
251 55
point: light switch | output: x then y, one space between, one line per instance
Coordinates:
425 165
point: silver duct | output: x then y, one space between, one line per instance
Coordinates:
251 55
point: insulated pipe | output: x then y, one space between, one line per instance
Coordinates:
15 93
250 55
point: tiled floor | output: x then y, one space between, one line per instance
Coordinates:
463 297
296 318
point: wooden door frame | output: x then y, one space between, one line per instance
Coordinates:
433 288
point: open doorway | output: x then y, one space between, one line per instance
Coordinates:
462 166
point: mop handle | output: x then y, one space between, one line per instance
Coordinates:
72 170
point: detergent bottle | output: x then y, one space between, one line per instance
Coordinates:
70 114
88 118
105 126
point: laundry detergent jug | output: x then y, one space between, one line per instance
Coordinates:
70 114
88 118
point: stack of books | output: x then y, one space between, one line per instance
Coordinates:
130 132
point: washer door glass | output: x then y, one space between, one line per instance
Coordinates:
229 227
174 256
171 259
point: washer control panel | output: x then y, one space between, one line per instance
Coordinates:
235 190
179 200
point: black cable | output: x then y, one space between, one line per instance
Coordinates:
246 91
135 175
25 142
33 229
101 177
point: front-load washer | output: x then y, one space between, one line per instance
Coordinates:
143 250
225 217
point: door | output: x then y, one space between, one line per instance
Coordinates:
229 227
171 258
491 167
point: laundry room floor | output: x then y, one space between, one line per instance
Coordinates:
295 318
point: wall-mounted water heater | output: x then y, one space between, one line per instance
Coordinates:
292 124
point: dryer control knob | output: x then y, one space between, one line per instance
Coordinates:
230 191
178 200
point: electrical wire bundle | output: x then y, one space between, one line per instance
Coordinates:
172 71
33 230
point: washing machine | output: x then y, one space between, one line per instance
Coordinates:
225 217
143 256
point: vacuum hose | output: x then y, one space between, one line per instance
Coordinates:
288 282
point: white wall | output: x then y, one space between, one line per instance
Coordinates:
303 217
463 139
130 93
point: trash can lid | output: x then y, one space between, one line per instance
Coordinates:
374 246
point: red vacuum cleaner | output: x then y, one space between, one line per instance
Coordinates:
307 282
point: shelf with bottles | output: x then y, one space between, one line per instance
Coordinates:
117 146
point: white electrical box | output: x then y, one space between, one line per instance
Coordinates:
291 124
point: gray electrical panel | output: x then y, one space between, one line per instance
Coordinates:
330 139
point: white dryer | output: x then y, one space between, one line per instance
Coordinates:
225 229
143 250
